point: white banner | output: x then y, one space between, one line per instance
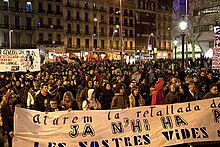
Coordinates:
14 60
151 126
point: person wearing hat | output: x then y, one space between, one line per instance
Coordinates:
213 92
91 103
120 101
68 102
135 99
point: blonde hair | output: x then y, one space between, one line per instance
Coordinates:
69 95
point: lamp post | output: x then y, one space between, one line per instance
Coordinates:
175 42
115 31
183 26
93 41
121 33
10 38
149 46
96 20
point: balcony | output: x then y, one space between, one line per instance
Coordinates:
50 42
86 8
16 27
50 12
17 45
2 8
68 4
102 9
69 32
14 9
58 0
58 13
29 27
4 26
77 5
69 18
58 27
95 9
86 20
40 11
78 19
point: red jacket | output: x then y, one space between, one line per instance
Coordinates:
158 96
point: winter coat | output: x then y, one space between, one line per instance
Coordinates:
210 95
132 101
119 102
158 95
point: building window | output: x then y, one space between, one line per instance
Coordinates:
86 17
17 39
41 37
49 21
103 44
69 42
111 10
40 6
131 45
117 44
111 22
6 37
125 45
78 28
17 21
77 16
86 43
102 31
69 28
29 39
94 29
40 22
6 6
59 38
131 33
28 7
78 42
68 14
28 22
58 22
6 21
86 5
50 38
87 29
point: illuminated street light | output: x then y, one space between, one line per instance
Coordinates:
96 20
183 26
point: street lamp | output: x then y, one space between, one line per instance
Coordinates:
149 46
10 38
175 42
93 41
115 31
96 20
183 26
121 34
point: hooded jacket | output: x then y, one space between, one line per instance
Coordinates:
158 95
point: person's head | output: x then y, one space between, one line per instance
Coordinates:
195 79
90 83
107 86
53 103
135 91
173 80
191 87
178 83
213 89
172 88
120 88
91 93
202 73
44 88
68 99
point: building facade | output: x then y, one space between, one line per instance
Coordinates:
203 16
84 25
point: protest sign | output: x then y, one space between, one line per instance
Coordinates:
216 58
148 126
19 60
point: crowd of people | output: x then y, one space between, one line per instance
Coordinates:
103 85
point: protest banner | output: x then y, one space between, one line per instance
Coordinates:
19 60
216 58
148 126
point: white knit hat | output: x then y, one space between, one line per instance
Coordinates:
90 91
